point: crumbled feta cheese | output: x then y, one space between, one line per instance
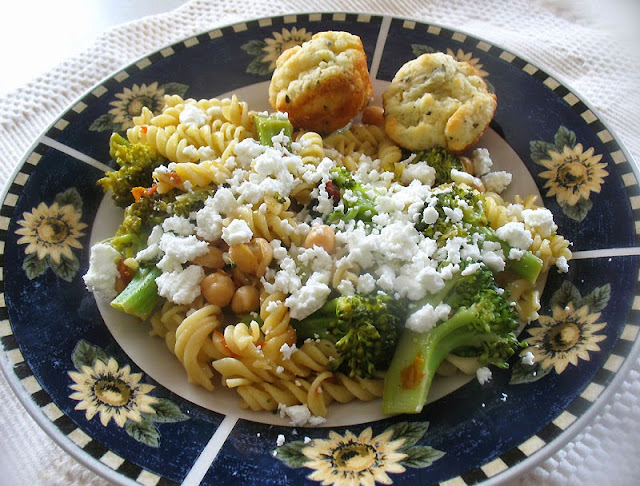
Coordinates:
178 225
237 232
515 234
103 271
193 115
299 415
307 439
181 286
287 350
483 375
497 181
366 283
420 171
182 248
280 440
482 162
541 220
427 317
562 264
528 358
515 254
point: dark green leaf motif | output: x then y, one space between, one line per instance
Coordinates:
567 292
564 137
411 432
540 150
522 373
144 431
86 354
258 67
254 47
419 49
291 454
578 211
420 457
598 299
34 266
66 268
70 196
166 412
103 123
175 88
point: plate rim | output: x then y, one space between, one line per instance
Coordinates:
78 453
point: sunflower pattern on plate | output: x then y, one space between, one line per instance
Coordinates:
51 233
112 392
572 173
265 52
568 335
352 459
129 102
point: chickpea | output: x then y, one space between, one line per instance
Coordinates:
373 115
246 299
212 259
218 288
322 236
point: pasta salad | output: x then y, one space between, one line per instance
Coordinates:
301 270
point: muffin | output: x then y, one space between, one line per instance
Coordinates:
322 84
436 100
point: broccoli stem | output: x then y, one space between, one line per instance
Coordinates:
317 325
270 126
139 298
528 266
418 356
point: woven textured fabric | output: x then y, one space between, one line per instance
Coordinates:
570 39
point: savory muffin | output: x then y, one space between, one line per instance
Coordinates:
322 84
436 100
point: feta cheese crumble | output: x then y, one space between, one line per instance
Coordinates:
483 375
103 271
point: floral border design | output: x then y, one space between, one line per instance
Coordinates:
104 388
571 174
265 52
51 233
565 337
361 459
130 101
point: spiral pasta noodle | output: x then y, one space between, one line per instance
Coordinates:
191 335
270 221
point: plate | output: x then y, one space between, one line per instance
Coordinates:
87 375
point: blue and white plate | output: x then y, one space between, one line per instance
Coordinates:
117 400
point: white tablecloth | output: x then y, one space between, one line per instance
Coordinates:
594 51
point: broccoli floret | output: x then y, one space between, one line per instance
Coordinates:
442 161
357 202
364 329
482 323
471 220
148 211
136 161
